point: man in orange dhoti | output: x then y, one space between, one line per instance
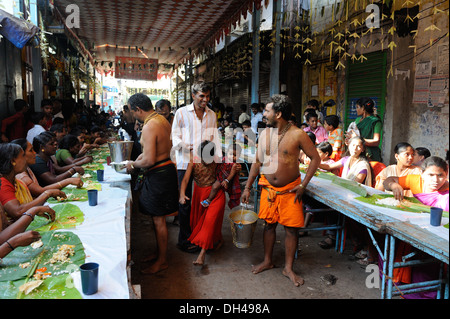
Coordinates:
282 189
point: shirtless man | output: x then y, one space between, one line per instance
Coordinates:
282 189
159 190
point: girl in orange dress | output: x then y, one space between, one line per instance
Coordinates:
206 222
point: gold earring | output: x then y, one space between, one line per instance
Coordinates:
43 150
13 164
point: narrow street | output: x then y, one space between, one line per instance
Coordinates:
227 272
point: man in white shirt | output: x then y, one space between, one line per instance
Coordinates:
192 125
257 117
39 120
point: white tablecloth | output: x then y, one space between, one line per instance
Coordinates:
104 238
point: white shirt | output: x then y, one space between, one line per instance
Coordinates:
33 132
243 117
255 119
188 130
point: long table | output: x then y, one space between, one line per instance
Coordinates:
412 228
103 234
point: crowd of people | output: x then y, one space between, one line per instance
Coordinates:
181 171
40 153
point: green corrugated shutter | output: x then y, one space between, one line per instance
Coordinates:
366 79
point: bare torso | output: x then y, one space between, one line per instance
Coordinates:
283 161
158 129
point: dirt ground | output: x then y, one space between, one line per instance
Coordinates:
227 271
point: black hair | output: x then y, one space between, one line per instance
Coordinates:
58 120
58 127
160 104
42 139
312 136
325 147
20 104
255 106
401 147
435 161
423 151
37 117
281 103
22 142
243 107
367 103
236 148
140 100
45 102
332 120
8 152
68 141
314 103
247 123
311 114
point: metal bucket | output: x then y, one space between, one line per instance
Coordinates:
243 225
120 150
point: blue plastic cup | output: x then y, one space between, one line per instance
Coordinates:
435 216
100 175
92 197
89 278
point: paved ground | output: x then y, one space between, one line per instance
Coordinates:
227 272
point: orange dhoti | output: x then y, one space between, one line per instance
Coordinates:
277 204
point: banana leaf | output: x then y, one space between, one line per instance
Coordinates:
55 287
76 194
93 166
66 216
411 204
11 269
351 185
327 175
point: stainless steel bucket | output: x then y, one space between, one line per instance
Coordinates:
120 150
243 225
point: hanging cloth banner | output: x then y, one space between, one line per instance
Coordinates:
16 30
136 68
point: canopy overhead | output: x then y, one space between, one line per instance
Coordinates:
166 30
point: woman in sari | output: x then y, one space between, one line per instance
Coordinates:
356 167
369 126
404 154
430 188
14 194
206 222
44 169
30 180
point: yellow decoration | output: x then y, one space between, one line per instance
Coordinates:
413 46
354 35
307 62
392 30
392 45
339 65
362 58
432 28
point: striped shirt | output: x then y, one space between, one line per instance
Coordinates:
189 131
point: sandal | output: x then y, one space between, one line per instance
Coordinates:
325 244
205 203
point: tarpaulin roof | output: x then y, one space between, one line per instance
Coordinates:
16 30
158 29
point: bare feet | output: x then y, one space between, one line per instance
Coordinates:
151 257
156 267
297 280
261 267
201 258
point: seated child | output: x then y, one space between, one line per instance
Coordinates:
228 178
325 150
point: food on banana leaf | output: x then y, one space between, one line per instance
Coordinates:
30 286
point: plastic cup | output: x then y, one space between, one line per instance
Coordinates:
89 278
108 160
92 197
435 216
100 175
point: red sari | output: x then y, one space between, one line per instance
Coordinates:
206 222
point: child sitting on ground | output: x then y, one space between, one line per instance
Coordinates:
228 177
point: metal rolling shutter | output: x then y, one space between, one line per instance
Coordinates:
367 79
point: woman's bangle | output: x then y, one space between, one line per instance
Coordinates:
226 180
29 215
10 246
246 187
60 185
46 193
